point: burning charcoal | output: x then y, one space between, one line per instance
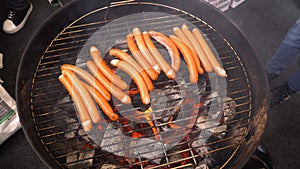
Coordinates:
109 166
114 141
169 98
83 159
210 125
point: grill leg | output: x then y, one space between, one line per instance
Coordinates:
261 159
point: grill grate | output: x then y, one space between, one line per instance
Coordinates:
56 121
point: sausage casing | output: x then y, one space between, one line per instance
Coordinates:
105 69
83 114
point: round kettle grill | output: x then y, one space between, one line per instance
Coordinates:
223 118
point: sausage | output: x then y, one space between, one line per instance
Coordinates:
137 78
205 63
178 32
105 69
102 102
83 114
139 57
143 48
88 78
171 47
170 73
128 59
84 94
188 57
114 90
210 55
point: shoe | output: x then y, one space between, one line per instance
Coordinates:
16 19
281 94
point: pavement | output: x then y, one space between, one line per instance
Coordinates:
263 22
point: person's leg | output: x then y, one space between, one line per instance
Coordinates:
287 51
294 81
18 13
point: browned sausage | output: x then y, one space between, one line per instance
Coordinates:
205 63
128 59
171 47
84 94
178 32
137 78
88 78
210 55
139 57
114 90
102 102
143 48
105 69
188 57
83 114
170 73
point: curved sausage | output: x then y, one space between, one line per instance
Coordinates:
102 102
84 94
170 73
88 78
137 78
188 57
143 48
171 47
105 69
178 32
83 114
114 90
205 63
128 59
210 55
139 57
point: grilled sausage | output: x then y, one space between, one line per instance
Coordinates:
170 73
88 78
105 69
178 32
205 63
210 55
102 102
84 94
144 50
137 78
83 114
171 47
188 57
114 90
128 59
139 57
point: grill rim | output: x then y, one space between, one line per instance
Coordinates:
44 36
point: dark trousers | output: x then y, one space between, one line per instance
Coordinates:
17 4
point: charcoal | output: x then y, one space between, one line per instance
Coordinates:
115 142
80 159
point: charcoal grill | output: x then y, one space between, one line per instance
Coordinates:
49 118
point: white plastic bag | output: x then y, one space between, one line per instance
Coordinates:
9 119
224 5
236 3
